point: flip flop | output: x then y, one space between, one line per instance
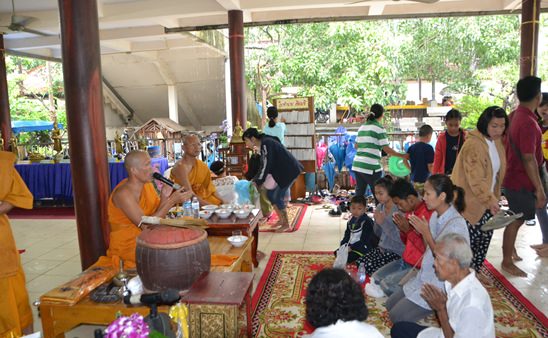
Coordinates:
501 220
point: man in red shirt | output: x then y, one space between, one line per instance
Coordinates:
522 184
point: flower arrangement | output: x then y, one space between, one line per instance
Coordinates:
133 326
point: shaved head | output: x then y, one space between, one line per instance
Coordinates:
190 138
134 159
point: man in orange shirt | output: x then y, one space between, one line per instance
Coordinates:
15 312
133 198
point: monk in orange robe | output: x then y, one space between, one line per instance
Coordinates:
193 174
133 198
15 312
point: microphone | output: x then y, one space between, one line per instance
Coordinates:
166 181
168 296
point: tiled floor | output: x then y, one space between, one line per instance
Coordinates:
52 257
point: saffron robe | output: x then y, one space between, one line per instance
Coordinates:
200 182
15 312
123 233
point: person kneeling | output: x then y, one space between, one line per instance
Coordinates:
466 310
335 306
359 235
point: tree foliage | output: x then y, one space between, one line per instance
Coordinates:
359 63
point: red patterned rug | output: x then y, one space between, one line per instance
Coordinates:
295 213
279 311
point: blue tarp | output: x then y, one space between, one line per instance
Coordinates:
20 126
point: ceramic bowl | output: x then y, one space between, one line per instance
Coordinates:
223 213
205 214
210 207
227 206
237 241
242 213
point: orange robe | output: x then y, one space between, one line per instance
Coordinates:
200 181
123 233
15 312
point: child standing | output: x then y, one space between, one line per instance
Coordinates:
390 245
421 155
449 143
408 201
359 232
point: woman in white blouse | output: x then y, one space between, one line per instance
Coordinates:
479 170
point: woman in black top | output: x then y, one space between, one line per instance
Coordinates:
280 164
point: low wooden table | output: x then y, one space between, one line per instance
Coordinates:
60 318
249 226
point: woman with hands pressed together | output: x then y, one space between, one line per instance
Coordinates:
447 200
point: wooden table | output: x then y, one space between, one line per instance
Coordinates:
215 303
249 226
60 318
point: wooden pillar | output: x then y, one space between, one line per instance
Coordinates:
530 15
86 124
5 120
237 76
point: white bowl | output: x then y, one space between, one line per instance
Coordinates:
242 213
223 213
210 207
248 207
205 214
227 206
237 241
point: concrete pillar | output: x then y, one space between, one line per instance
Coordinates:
530 15
173 103
86 125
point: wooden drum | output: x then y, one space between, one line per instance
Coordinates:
169 257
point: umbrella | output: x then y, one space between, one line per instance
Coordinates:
338 151
329 170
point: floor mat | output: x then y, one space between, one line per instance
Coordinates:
295 213
279 311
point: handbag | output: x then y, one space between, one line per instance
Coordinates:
414 270
342 257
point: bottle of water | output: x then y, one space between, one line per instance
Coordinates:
361 274
195 207
187 209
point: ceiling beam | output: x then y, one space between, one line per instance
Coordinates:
230 5
376 9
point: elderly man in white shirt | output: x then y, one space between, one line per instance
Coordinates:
466 310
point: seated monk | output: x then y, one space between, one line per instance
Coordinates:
133 198
193 174
15 313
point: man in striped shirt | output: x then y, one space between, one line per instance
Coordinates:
370 143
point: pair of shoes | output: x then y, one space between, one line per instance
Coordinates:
373 290
344 206
335 212
500 220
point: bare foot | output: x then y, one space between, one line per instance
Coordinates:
516 257
282 229
538 246
513 270
543 252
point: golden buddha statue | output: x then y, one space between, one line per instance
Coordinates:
13 146
56 136
118 143
237 134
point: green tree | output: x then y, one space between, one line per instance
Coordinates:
352 63
452 50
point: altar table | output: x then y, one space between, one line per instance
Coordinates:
60 318
54 180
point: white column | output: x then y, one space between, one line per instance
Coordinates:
228 96
173 103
